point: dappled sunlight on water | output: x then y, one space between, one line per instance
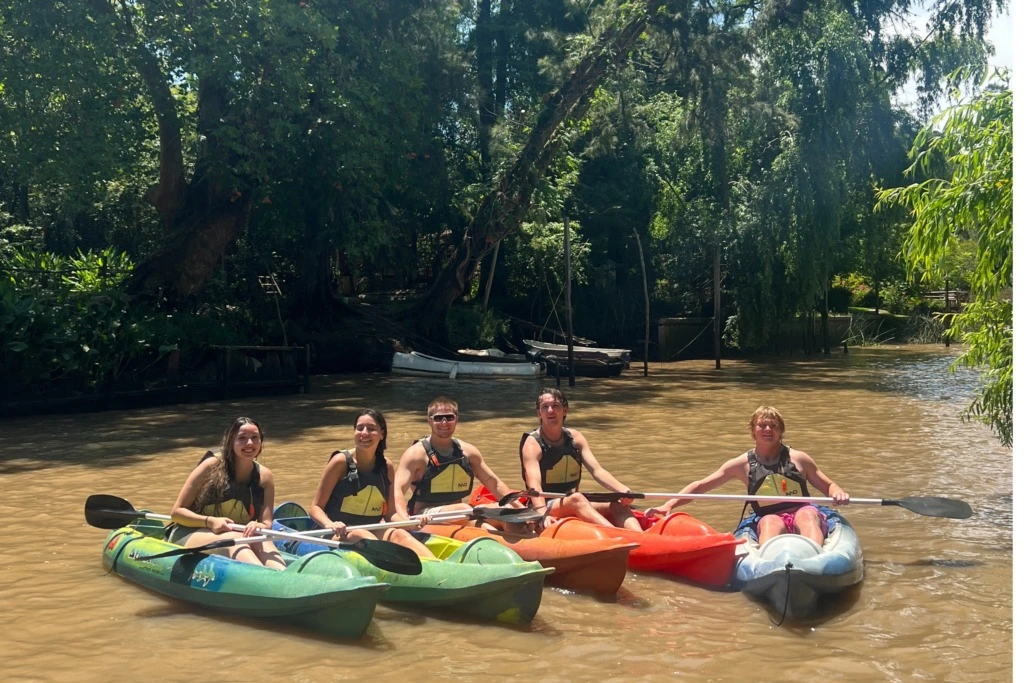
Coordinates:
883 422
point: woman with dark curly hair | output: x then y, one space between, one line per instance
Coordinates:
226 488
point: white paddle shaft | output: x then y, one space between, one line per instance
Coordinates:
412 521
770 499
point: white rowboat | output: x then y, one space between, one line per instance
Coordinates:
421 365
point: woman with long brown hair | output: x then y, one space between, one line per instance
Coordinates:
358 487
227 488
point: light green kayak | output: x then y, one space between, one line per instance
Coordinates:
335 598
480 578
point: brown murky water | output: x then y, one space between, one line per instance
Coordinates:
935 603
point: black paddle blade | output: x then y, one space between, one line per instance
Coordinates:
109 512
386 555
512 515
934 507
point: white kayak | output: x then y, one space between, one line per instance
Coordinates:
791 571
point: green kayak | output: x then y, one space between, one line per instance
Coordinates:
480 578
324 594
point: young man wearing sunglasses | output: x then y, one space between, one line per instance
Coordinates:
553 457
438 471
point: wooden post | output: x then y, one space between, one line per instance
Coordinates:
647 300
718 307
568 303
227 373
307 385
824 325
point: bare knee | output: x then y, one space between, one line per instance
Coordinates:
398 536
770 525
807 515
575 502
356 534
808 523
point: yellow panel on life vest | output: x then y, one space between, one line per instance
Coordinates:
778 485
451 479
369 502
233 509
565 471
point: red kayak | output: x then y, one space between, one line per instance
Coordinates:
678 544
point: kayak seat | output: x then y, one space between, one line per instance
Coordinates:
327 563
484 550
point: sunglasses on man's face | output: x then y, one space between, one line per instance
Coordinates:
444 417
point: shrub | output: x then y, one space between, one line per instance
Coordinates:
65 322
473 327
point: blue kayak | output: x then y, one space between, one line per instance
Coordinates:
791 572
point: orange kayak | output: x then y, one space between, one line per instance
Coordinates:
588 564
677 544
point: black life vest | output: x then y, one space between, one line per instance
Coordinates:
359 498
240 501
779 479
447 479
561 466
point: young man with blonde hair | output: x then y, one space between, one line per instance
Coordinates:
772 468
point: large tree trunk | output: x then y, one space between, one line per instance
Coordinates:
202 218
206 217
189 255
503 209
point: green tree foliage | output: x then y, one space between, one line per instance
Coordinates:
397 144
65 322
966 157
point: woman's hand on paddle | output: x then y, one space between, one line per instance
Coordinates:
219 525
253 528
340 529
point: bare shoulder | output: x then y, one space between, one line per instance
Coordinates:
735 465
577 436
530 448
801 460
337 461
205 466
469 450
266 474
796 455
413 452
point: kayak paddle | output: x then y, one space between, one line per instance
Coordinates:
223 543
512 515
110 512
929 506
